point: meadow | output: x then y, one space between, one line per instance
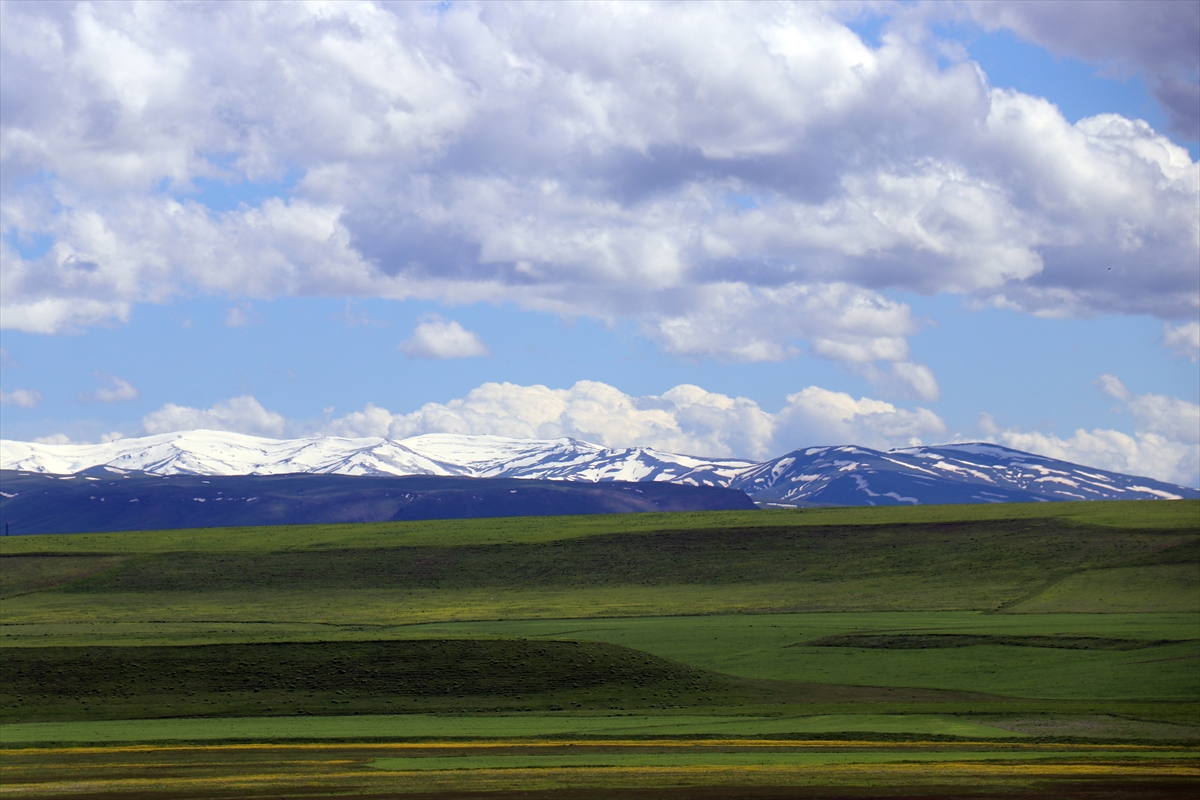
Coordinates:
911 648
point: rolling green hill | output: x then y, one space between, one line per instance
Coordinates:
1073 620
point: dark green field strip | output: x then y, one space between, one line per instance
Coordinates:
757 646
1184 553
349 677
1179 515
1026 551
922 641
440 731
51 684
412 676
22 574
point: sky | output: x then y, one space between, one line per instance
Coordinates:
717 229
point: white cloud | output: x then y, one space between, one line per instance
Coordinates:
702 169
1165 445
1114 387
118 390
440 338
686 419
57 438
239 414
22 398
150 249
747 323
62 315
841 322
689 419
1183 339
589 410
1147 454
1154 37
1171 417
819 416
917 380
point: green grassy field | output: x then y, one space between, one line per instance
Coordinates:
1150 514
1018 554
1075 621
287 679
988 564
425 727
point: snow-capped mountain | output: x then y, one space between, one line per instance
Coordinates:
953 473
109 499
844 475
223 453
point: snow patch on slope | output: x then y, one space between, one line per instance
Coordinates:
839 475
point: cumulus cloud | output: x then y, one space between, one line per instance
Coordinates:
150 249
685 419
1147 454
917 380
1183 339
1156 38
688 419
825 417
747 323
1165 444
441 338
239 414
22 398
747 182
1156 413
118 390
57 438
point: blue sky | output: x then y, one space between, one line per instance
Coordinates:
895 223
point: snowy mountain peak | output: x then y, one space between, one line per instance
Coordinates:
973 472
969 448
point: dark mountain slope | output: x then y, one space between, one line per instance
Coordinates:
956 473
105 499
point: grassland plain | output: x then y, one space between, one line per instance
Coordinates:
949 564
1151 514
991 622
533 728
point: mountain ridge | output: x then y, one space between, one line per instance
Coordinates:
104 499
971 472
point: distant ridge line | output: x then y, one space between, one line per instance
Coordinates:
967 472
